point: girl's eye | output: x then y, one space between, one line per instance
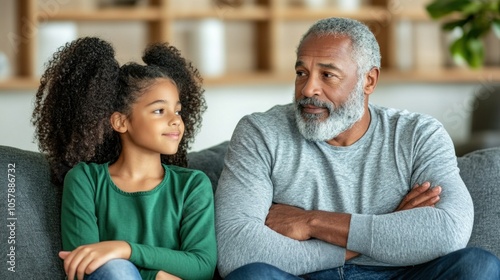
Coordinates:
178 113
159 111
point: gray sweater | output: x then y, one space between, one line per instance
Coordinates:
269 161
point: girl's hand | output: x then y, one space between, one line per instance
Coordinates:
87 258
162 275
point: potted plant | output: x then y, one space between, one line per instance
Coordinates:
475 19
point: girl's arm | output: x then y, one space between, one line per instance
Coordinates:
86 259
83 253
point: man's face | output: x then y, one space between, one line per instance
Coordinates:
329 98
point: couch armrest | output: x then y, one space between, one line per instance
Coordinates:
480 171
35 231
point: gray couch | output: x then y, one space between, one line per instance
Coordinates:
34 223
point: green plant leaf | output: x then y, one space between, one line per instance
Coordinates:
473 7
457 50
441 8
449 26
477 30
474 50
477 17
496 27
469 50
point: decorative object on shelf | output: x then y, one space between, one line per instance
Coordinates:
109 3
315 4
349 5
428 46
404 42
230 3
4 66
475 19
51 36
209 51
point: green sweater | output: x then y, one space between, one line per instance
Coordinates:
169 228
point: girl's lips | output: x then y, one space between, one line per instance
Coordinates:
174 135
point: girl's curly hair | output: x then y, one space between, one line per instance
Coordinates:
83 85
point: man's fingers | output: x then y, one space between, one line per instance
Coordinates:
415 192
425 197
420 196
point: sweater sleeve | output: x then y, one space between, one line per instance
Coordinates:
78 218
419 235
242 200
197 255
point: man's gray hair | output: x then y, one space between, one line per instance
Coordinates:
366 51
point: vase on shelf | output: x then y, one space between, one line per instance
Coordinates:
4 66
315 4
208 43
349 5
51 36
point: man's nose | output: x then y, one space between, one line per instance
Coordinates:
312 87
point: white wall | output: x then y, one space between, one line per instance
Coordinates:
449 103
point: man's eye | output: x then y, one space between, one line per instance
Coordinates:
299 73
328 75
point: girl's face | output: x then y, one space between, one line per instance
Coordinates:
155 124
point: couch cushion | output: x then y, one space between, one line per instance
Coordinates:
36 209
480 171
210 161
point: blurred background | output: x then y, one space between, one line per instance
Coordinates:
245 50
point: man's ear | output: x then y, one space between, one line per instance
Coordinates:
371 80
119 122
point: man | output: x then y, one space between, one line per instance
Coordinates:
332 186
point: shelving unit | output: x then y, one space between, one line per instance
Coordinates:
267 18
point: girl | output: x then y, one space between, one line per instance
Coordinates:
117 138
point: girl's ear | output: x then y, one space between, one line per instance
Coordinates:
118 122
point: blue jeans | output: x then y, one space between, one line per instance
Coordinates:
468 263
116 269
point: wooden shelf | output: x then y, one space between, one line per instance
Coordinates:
266 16
257 13
363 14
105 14
19 84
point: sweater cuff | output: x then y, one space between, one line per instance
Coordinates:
360 234
148 274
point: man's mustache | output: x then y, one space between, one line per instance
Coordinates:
314 102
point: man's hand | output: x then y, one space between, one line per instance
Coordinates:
289 221
87 258
302 225
420 196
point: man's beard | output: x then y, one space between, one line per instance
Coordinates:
340 119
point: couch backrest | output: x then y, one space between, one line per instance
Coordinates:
35 234
37 203
480 171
